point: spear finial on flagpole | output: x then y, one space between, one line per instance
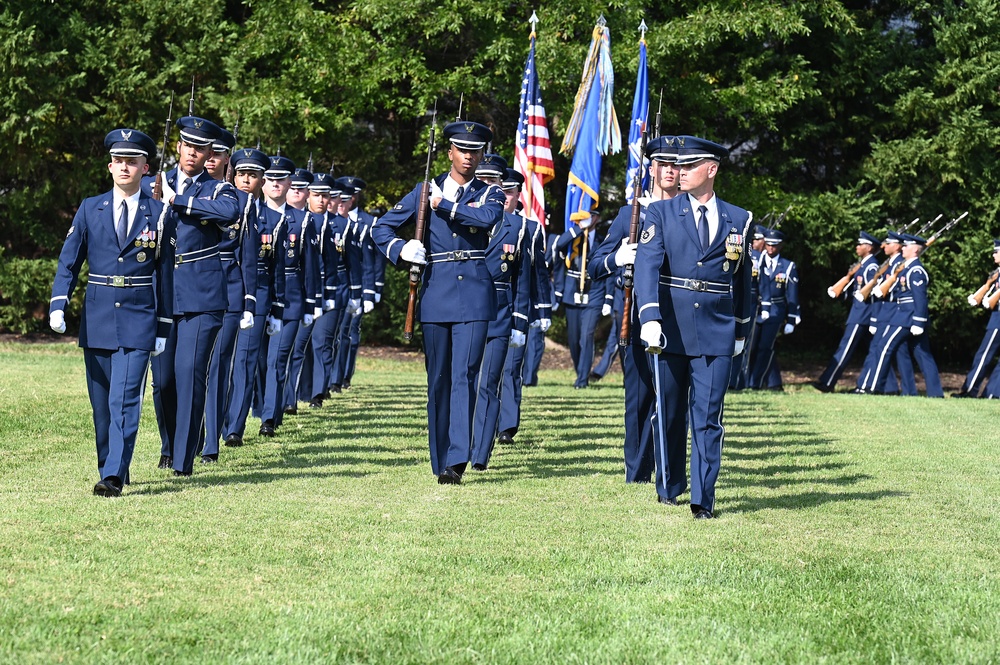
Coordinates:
601 21
533 21
643 29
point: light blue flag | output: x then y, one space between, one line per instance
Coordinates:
583 191
640 116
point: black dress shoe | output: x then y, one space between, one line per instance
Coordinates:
316 403
858 391
110 486
505 438
346 386
335 388
327 395
667 501
822 387
479 467
166 461
182 473
291 411
594 376
266 428
701 513
450 476
962 394
234 440
210 459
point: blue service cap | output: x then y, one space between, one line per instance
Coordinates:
662 149
512 179
250 159
893 236
692 149
198 131
224 142
491 165
129 143
467 135
323 183
759 232
774 237
350 185
279 167
996 245
910 239
865 238
301 178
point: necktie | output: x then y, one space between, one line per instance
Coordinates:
458 194
184 185
703 227
121 227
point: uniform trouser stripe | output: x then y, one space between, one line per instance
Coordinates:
884 354
985 354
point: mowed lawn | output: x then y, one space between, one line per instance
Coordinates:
850 529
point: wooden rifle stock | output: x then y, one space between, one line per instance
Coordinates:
411 303
891 280
993 300
981 292
869 286
837 289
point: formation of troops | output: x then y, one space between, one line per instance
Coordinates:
242 281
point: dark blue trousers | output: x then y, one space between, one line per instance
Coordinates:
343 365
245 361
510 394
302 351
116 381
640 407
279 353
533 351
984 355
580 325
324 338
490 396
220 374
855 336
453 353
763 355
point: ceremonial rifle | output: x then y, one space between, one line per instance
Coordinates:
781 218
976 298
926 227
886 286
868 287
230 173
659 109
633 237
993 300
191 101
423 212
947 227
158 181
837 289
461 100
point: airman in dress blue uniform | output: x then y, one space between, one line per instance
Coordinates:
249 165
509 259
740 375
204 210
609 261
127 311
856 334
991 340
535 348
238 250
457 298
779 310
692 288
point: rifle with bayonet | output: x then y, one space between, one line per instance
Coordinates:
976 299
230 173
160 175
423 214
866 289
633 237
889 283
659 109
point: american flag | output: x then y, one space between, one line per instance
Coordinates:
533 153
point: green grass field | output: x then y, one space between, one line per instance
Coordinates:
851 529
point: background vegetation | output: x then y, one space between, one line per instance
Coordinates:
857 113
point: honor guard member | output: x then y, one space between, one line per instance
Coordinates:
856 334
509 259
301 269
366 261
126 314
298 192
908 324
991 340
582 297
238 250
740 376
204 210
457 298
609 261
535 348
535 272
779 310
249 166
692 288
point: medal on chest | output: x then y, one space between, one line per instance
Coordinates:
734 246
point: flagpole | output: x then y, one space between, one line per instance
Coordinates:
530 182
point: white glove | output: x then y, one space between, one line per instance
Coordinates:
369 306
789 328
317 312
872 330
517 339
57 321
329 304
859 296
972 300
545 324
555 306
625 255
586 223
354 306
168 191
765 315
606 310
436 192
651 334
307 320
916 330
247 321
413 252
830 292
986 303
158 346
273 326
378 297
740 344
877 292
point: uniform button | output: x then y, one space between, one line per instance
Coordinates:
460 278
454 235
118 304
472 230
696 305
699 264
121 260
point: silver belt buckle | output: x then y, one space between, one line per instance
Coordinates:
697 284
461 255
118 280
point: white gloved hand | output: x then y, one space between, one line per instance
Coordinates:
972 301
606 310
354 306
586 223
651 334
625 255
764 315
916 330
830 292
329 304
273 326
789 328
517 339
413 252
57 321
436 192
545 324
872 330
317 312
740 345
368 306
877 292
158 346
555 306
247 321
307 320
378 298
986 303
168 191
859 296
